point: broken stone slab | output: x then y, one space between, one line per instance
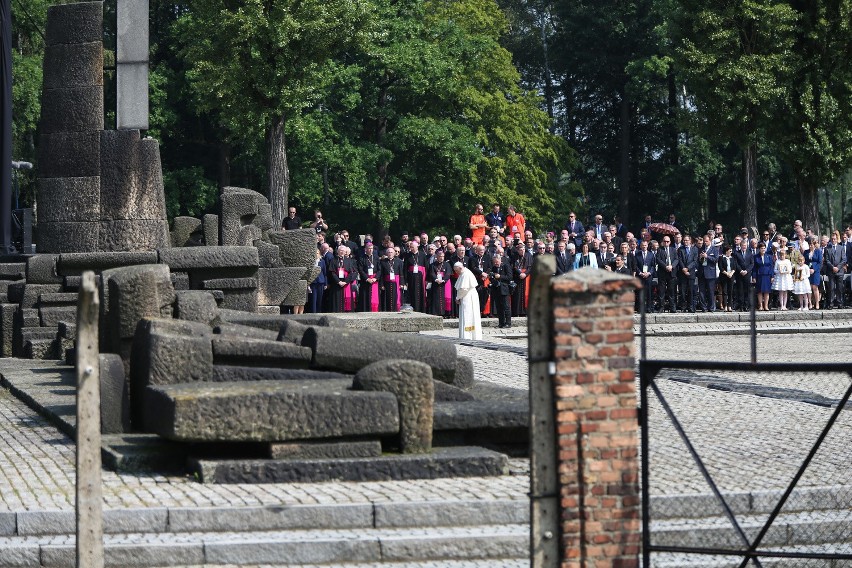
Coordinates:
267 411
27 295
68 329
196 305
464 378
74 23
194 258
77 109
41 349
244 332
297 248
411 383
351 350
131 293
445 392
241 207
185 231
326 450
248 235
391 322
52 315
228 373
74 264
274 284
41 269
291 331
133 235
229 284
211 230
180 280
274 322
258 352
298 295
115 395
73 283
165 352
7 318
14 270
58 299
240 299
69 199
480 414
440 463
269 254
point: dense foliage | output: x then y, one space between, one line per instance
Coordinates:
391 115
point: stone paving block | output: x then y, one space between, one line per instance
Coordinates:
298 295
8 524
259 352
130 555
22 556
274 284
480 414
441 462
343 349
456 546
45 522
12 270
228 373
411 383
451 514
326 450
314 552
128 521
240 299
229 284
336 516
58 299
74 23
229 411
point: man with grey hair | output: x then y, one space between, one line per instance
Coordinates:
341 273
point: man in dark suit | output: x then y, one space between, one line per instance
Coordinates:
501 275
708 258
848 237
688 268
835 264
564 258
480 264
575 229
667 269
743 267
646 268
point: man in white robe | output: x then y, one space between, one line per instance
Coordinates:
470 324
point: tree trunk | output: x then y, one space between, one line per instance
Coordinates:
712 199
831 224
278 173
624 156
809 195
224 165
749 188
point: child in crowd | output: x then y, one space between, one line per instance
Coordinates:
802 283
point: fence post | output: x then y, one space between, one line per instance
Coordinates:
544 487
596 418
90 531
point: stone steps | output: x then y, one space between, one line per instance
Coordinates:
678 560
495 533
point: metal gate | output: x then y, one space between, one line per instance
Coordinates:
746 464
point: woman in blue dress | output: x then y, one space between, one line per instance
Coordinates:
764 266
813 258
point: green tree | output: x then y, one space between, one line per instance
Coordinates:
258 63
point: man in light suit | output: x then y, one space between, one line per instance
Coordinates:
687 270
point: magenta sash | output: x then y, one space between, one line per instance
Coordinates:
374 296
448 294
398 289
349 301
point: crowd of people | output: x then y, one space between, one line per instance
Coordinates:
679 270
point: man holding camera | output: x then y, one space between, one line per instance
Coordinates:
318 225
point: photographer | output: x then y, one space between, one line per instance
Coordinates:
318 225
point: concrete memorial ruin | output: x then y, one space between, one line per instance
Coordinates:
198 366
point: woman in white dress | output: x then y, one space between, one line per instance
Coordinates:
470 322
783 280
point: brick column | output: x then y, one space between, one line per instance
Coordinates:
596 419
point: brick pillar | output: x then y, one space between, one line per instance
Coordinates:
596 419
